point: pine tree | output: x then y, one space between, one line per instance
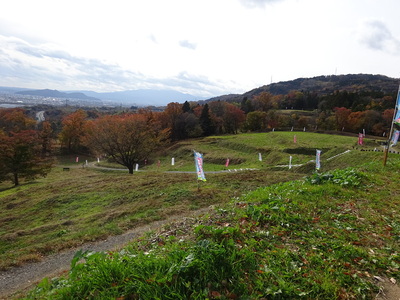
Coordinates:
206 122
186 107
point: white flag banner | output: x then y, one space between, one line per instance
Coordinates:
395 138
318 160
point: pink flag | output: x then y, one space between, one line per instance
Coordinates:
227 162
360 139
295 139
77 159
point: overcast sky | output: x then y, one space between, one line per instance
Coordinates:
201 47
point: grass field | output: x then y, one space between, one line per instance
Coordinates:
243 150
69 208
296 221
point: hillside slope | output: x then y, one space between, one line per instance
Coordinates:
323 85
332 236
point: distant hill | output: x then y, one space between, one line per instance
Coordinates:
227 98
56 94
322 85
144 97
141 97
11 90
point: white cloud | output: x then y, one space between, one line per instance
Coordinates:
376 36
187 44
257 3
202 46
64 71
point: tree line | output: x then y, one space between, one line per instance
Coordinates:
129 137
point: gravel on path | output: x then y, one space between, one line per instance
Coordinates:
19 280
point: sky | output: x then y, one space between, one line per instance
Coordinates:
201 47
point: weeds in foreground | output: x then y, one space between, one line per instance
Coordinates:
346 177
294 240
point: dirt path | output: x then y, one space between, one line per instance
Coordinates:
16 281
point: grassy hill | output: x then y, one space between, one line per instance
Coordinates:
274 235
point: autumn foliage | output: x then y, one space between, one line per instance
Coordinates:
21 148
73 131
127 139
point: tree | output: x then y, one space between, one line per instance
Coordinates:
272 119
186 107
264 102
387 116
356 121
206 122
304 121
20 148
246 105
342 114
127 139
371 118
15 120
322 121
190 125
72 131
256 121
20 156
233 118
46 137
170 119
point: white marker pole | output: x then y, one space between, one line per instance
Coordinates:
290 162
173 161
137 167
259 157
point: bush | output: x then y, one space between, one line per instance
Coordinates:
346 177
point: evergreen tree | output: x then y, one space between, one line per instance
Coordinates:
246 105
186 107
206 122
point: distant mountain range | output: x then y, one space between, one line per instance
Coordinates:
144 97
320 85
56 94
133 97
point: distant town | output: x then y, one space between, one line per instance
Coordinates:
9 100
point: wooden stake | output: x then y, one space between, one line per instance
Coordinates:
385 155
396 108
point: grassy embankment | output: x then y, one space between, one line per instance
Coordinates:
275 242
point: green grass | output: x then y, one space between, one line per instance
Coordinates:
275 148
325 237
243 151
270 227
66 209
